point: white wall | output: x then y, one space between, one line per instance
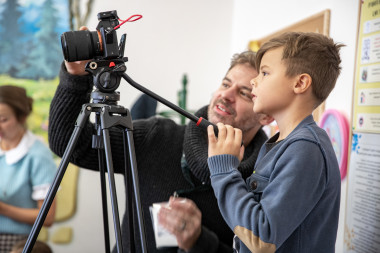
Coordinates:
173 37
198 37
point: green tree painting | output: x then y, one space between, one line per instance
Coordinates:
30 51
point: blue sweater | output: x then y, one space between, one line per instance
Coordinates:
24 180
291 201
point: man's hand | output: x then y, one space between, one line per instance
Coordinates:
228 141
77 67
183 219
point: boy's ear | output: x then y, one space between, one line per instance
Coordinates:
303 83
265 119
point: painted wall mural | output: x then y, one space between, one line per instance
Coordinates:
30 57
30 51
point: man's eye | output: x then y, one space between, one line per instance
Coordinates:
246 94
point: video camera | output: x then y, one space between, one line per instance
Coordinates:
101 44
107 57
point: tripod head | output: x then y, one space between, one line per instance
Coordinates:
107 75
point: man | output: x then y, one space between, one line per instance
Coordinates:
171 158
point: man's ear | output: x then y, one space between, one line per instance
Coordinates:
303 83
265 119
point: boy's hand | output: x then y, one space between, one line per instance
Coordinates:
228 141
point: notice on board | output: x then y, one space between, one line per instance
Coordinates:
366 108
362 228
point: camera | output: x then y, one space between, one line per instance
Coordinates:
101 44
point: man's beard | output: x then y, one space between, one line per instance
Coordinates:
245 124
216 117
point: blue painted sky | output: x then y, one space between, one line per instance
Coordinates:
30 9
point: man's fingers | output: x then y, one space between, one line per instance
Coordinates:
184 207
168 220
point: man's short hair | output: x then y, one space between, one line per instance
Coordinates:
311 53
246 57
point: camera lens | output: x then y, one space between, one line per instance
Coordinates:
80 45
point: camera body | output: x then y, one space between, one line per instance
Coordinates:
101 44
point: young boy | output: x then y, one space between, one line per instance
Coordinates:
291 201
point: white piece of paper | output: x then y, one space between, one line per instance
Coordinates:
162 236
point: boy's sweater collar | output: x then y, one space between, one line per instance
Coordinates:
306 121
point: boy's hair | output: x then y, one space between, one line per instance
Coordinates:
311 53
246 57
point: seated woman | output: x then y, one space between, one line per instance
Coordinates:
27 169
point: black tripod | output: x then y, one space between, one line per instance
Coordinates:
107 75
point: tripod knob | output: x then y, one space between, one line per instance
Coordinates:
106 73
107 81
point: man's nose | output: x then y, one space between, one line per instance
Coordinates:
229 94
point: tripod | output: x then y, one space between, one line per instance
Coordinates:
107 75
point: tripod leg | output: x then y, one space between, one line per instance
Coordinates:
117 116
104 201
136 188
129 195
97 143
56 182
112 186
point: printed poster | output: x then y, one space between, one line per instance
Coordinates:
366 108
362 228
362 220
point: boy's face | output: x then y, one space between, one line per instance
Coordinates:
272 90
232 103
